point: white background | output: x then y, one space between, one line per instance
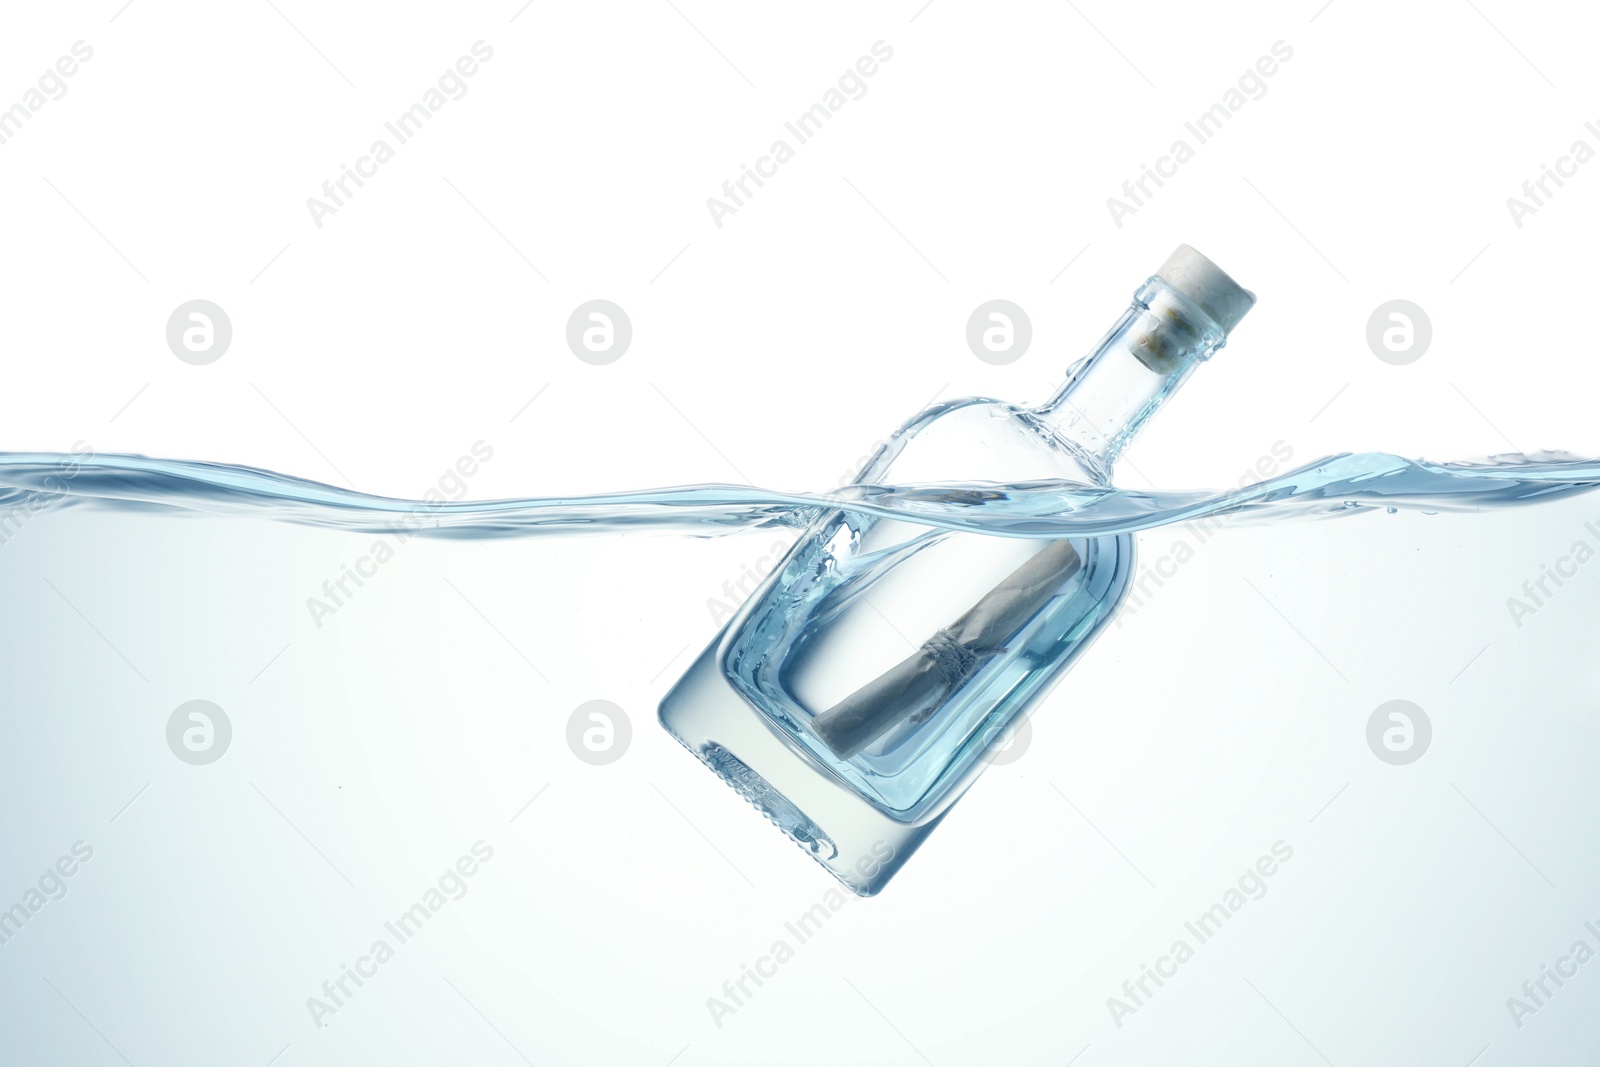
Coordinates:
777 348
804 328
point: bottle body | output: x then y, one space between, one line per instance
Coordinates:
858 596
858 692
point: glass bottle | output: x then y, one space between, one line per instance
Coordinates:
855 696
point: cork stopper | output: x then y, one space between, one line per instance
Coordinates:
1205 283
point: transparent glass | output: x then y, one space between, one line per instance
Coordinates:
855 696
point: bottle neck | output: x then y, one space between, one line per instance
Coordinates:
1148 354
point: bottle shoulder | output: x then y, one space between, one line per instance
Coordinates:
982 439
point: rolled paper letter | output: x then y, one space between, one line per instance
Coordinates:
919 684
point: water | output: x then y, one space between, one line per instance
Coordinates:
880 570
1344 484
397 731
878 580
824 651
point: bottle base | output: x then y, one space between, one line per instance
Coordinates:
853 840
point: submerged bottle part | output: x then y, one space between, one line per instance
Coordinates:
922 682
855 696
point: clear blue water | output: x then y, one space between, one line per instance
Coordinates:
1204 728
1344 484
907 769
894 655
